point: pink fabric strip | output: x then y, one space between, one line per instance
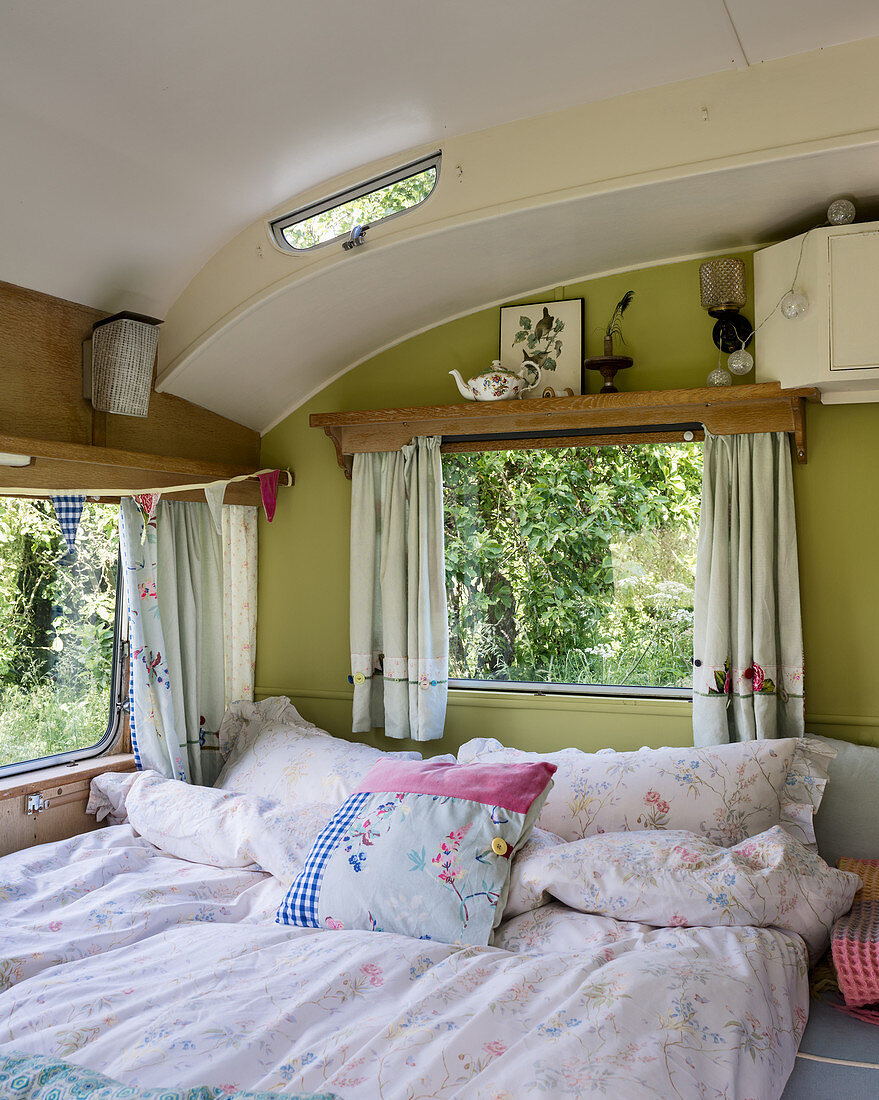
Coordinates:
268 484
511 786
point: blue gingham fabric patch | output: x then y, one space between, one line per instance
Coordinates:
300 905
68 510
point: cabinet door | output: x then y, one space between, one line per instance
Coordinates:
854 301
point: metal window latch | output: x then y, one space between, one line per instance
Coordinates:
35 804
358 236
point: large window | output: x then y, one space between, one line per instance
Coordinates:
370 202
573 566
57 632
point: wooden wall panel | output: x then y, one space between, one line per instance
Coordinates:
65 790
41 390
40 365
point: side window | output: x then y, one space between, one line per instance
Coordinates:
368 203
58 636
573 568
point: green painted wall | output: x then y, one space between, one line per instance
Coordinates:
302 647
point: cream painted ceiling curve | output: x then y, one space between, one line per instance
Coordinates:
139 136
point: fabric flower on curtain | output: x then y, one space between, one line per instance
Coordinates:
399 622
748 635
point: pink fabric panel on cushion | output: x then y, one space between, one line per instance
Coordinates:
512 786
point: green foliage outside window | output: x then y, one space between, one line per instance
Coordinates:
573 566
366 210
57 613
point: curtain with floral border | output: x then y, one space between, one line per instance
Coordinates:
155 737
399 621
748 636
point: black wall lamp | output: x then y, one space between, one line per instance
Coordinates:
722 286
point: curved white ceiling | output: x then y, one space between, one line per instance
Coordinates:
138 136
275 354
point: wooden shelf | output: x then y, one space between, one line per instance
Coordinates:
589 420
60 465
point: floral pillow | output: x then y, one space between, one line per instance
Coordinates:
272 752
669 878
423 849
725 792
525 891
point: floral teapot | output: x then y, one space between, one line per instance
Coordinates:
498 384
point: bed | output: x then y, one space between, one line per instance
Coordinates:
148 951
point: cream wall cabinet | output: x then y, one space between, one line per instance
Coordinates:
835 345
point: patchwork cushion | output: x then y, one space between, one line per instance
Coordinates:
725 793
421 848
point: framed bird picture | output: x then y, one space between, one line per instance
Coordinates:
549 334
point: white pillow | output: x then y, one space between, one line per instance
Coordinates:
272 752
725 793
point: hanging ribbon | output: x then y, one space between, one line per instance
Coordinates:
68 510
268 487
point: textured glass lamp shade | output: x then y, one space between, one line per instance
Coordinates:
740 362
841 212
722 284
794 305
720 377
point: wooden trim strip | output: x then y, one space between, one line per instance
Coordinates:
60 775
62 451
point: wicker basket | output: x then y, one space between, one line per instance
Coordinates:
123 354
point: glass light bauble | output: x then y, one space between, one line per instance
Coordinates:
720 377
841 212
740 362
794 304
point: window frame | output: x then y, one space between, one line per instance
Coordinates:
595 691
276 226
117 703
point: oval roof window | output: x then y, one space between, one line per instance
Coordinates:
362 206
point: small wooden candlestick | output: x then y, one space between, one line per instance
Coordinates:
608 365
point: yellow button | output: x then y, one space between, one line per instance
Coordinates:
359 678
499 846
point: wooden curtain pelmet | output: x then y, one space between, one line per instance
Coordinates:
590 420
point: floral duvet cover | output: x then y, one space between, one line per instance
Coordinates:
163 970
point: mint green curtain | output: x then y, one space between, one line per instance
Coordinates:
748 635
190 590
399 621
